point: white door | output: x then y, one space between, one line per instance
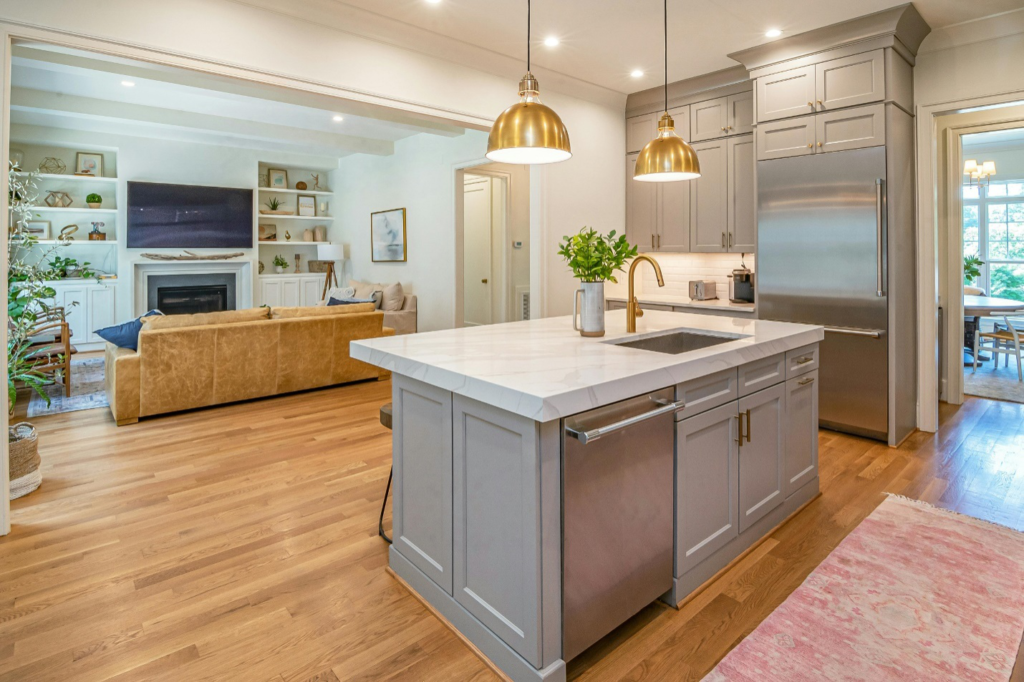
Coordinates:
742 211
270 292
709 120
477 225
311 290
291 292
99 312
849 81
709 199
641 209
785 94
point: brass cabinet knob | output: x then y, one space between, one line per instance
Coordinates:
819 144
484 281
809 145
819 102
810 104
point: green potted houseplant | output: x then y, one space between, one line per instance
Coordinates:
280 263
593 258
972 269
94 200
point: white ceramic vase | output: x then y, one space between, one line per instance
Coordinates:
588 305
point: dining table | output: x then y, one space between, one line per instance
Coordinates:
977 307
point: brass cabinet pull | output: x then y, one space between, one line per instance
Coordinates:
810 145
806 381
748 425
659 241
805 359
723 240
484 281
819 103
739 429
652 241
730 240
810 104
819 144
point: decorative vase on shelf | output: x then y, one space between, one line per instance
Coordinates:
588 305
278 269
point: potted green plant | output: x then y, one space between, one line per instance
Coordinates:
276 207
94 200
594 258
972 269
280 264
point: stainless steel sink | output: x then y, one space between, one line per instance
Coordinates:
675 343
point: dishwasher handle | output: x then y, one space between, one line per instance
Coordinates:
590 435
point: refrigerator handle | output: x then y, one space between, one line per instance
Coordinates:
880 237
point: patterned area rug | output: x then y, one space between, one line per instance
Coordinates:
1000 383
87 390
913 593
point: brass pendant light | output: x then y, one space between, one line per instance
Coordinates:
666 158
528 132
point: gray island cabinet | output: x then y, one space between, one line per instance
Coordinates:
481 418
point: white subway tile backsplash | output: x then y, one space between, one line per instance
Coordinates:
679 269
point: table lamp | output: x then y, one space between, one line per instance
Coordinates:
329 253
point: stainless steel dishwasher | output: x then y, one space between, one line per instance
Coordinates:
617 515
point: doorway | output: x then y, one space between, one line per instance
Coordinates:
992 236
493 245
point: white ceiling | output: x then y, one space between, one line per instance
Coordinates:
602 41
78 90
994 140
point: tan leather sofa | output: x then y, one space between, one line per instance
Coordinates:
190 361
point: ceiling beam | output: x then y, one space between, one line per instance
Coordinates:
404 120
23 99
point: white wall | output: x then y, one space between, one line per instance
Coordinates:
420 177
979 69
157 160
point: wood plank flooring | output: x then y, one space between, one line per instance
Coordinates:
239 543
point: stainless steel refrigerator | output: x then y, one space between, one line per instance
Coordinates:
823 258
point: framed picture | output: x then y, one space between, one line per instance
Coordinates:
40 229
268 233
387 236
89 162
277 179
307 205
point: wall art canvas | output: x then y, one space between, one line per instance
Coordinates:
387 236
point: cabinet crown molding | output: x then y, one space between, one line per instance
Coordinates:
729 81
903 25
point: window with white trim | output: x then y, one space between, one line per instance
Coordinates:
993 225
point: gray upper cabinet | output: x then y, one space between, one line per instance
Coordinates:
497 524
740 113
641 209
709 120
709 198
850 128
639 131
742 214
785 94
781 139
760 453
801 461
850 81
422 443
707 479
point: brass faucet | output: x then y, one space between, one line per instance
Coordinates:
632 305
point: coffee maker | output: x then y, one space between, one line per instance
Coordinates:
741 284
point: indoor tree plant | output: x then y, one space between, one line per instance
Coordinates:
28 300
594 258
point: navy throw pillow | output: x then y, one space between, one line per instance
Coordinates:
348 301
126 334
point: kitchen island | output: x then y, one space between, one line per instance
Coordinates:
532 526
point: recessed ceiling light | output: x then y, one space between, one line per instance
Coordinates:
772 33
551 41
128 84
338 118
636 73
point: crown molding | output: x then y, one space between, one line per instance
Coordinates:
729 81
902 27
975 31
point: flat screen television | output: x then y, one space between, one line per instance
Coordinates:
188 216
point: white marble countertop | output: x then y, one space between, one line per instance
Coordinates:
543 370
685 302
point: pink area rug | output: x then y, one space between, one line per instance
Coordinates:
913 593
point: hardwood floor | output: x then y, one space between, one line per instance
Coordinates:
239 543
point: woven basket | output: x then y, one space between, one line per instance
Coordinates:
24 464
317 265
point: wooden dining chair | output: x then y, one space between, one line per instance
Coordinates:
1004 339
50 348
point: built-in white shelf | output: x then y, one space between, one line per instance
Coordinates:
317 192
313 275
80 242
297 242
72 178
294 217
72 209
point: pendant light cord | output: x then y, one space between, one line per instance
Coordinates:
529 26
666 56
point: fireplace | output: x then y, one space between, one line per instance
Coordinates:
192 299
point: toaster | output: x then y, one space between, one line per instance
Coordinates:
702 291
